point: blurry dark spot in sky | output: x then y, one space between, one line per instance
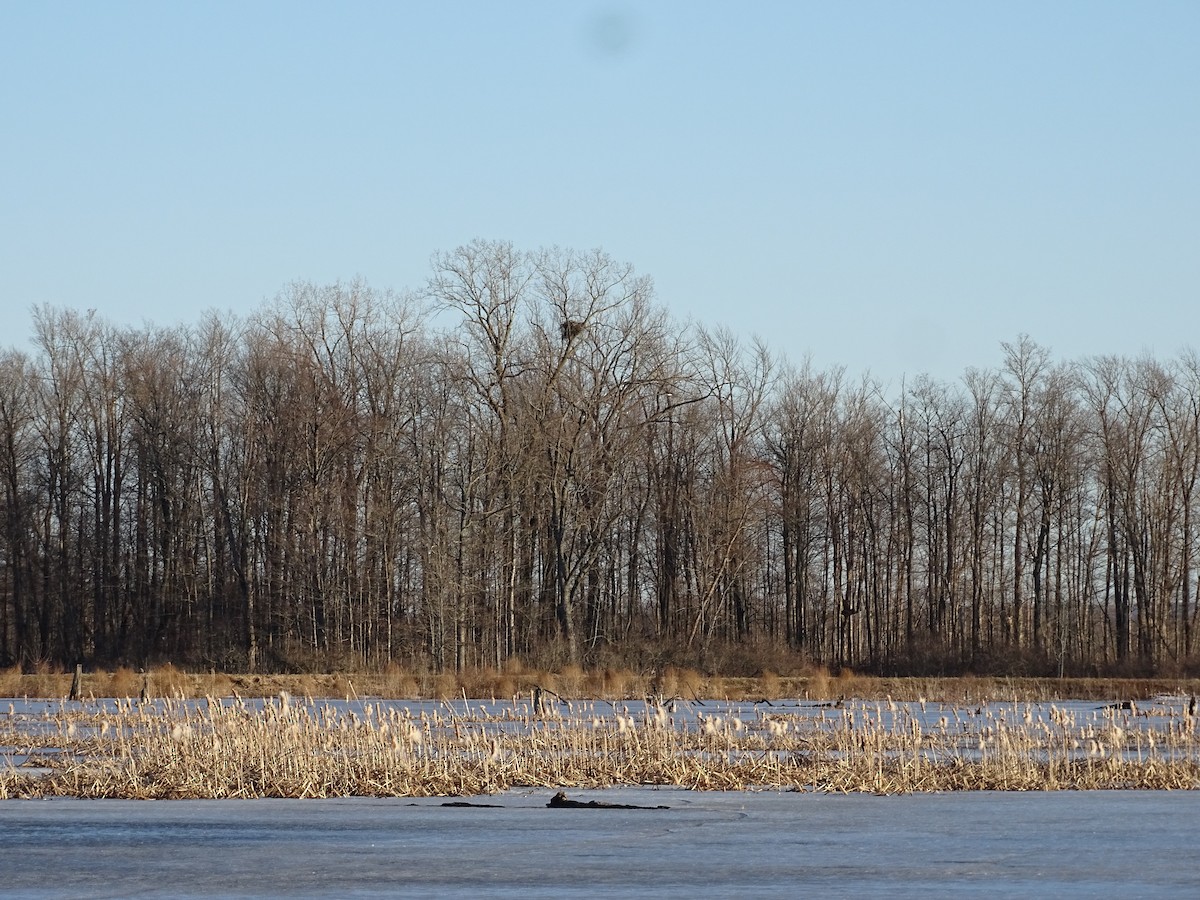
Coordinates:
609 33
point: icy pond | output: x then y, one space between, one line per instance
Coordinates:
753 844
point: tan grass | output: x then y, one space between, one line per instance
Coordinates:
819 683
11 682
445 686
396 683
168 681
215 684
490 683
124 682
570 681
613 684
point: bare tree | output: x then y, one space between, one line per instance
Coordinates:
18 468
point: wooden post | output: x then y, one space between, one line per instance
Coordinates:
76 682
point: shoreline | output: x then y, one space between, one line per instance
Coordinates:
169 682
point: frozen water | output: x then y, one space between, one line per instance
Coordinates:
761 844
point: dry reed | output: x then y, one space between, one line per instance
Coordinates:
288 748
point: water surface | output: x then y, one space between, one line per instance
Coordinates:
761 844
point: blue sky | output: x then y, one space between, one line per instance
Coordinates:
891 187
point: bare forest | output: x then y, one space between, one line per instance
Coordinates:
528 458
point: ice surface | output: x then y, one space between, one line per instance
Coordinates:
763 844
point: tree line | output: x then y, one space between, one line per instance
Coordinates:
528 458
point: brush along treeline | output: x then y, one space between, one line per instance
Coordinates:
609 683
307 749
